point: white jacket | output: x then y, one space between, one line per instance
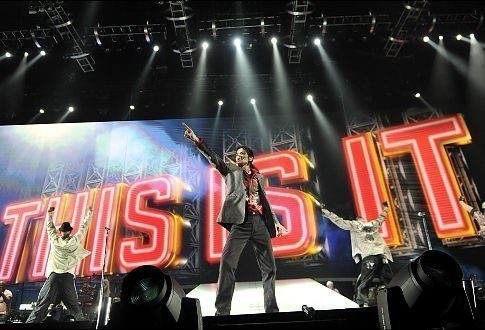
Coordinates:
365 237
66 253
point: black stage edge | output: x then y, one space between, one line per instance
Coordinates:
51 325
357 318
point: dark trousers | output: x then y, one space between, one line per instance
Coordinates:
373 273
253 230
57 286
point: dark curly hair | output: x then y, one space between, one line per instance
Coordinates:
248 150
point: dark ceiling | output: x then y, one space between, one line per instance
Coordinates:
167 89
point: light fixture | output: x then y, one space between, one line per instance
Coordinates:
472 36
253 101
26 54
8 54
42 53
309 97
425 294
70 109
205 45
41 111
156 48
417 95
132 107
317 41
458 37
237 42
157 300
440 37
426 39
274 40
220 102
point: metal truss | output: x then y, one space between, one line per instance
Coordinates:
285 138
362 123
261 23
372 22
52 181
113 31
469 189
180 164
95 174
231 140
62 179
183 44
407 22
63 25
71 180
415 115
22 36
299 12
459 18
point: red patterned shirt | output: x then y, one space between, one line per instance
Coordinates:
253 202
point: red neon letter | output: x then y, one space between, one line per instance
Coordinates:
425 141
368 184
16 215
105 214
296 207
164 228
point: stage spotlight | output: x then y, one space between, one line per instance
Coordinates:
132 107
42 53
426 39
70 109
472 36
220 102
237 42
8 54
417 95
26 54
274 40
253 101
458 37
317 41
156 48
426 294
309 97
151 299
440 37
205 45
41 111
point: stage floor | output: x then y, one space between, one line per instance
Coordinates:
290 295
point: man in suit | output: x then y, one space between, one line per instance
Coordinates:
248 216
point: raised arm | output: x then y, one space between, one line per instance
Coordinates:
49 225
204 149
465 206
83 228
340 222
383 215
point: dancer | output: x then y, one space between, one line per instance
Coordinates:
248 216
370 249
66 251
477 215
